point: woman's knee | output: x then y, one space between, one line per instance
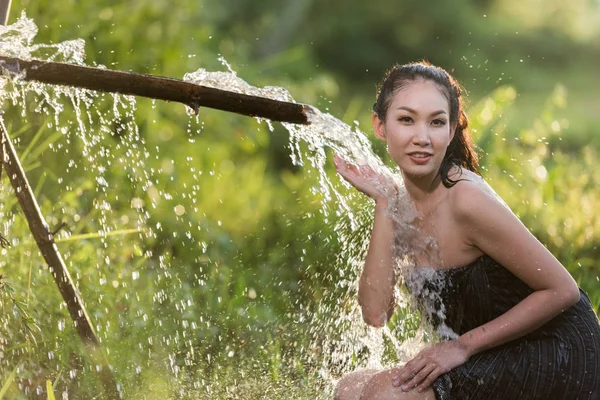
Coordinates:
380 387
351 385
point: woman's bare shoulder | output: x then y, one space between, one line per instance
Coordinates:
471 192
466 181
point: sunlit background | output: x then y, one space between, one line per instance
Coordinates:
225 278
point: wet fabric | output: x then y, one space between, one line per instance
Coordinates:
559 361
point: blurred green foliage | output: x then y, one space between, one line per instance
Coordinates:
203 298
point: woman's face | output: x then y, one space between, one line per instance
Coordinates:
417 128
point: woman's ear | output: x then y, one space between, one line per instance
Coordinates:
453 128
378 127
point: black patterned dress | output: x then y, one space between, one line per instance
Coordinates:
559 361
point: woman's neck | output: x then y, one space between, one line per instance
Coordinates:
422 190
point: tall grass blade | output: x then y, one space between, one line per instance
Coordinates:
49 390
8 382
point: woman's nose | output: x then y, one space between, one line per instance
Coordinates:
421 135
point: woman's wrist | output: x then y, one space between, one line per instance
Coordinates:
465 342
382 202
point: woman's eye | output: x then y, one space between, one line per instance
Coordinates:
438 122
405 119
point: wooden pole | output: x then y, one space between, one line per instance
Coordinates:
4 11
156 87
45 242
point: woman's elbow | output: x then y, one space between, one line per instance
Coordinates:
572 296
376 310
376 320
372 314
567 296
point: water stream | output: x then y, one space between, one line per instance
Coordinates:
335 338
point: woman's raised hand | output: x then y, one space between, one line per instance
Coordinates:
365 179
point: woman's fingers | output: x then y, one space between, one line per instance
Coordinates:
419 377
428 365
408 372
359 171
341 164
338 161
348 171
429 380
362 177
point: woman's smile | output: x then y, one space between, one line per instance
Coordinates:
420 157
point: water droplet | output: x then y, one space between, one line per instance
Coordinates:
179 210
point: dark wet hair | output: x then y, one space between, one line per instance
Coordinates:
460 151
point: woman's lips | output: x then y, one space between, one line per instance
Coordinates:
419 158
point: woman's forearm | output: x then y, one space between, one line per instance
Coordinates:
376 285
531 313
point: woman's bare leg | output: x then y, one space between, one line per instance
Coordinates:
371 384
380 387
351 385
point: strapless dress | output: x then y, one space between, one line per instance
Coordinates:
558 361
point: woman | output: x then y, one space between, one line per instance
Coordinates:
524 330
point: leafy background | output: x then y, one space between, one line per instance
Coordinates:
208 305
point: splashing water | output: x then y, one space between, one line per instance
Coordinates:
105 140
231 82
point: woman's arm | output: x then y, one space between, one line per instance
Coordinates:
484 222
376 285
497 232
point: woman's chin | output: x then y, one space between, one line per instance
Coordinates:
419 172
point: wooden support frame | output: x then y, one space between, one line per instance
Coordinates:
113 81
45 242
